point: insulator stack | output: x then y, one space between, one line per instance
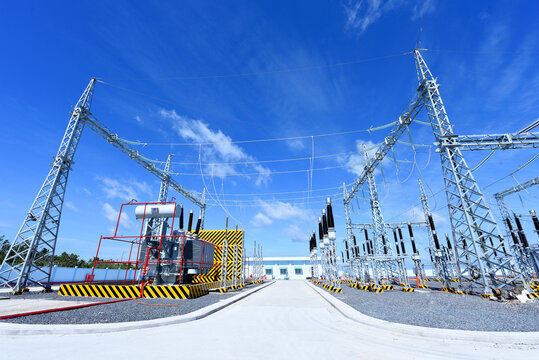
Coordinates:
369 249
535 221
510 227
521 235
181 217
434 235
320 230
364 252
347 254
324 222
331 222
385 244
448 242
199 222
492 244
403 249
190 223
396 241
356 249
411 233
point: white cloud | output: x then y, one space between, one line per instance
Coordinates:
139 120
296 234
356 162
126 189
362 13
283 211
221 148
421 8
416 214
71 206
296 144
261 220
112 215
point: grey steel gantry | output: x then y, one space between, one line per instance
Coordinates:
526 255
472 221
383 260
502 194
439 256
30 257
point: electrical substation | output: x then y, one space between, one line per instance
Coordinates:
174 263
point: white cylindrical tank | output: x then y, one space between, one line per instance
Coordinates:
156 211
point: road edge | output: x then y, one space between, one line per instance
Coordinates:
491 337
58 329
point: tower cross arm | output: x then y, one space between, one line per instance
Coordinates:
112 138
515 189
489 141
400 126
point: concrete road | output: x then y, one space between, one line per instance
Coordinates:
286 320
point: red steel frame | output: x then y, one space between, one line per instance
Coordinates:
136 240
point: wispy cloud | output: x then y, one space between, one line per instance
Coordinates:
71 206
112 215
139 120
261 220
422 8
356 162
126 189
416 214
362 13
283 210
296 234
220 147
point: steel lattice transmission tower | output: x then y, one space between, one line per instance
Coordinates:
163 189
471 218
29 259
381 245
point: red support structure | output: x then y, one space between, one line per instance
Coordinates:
136 241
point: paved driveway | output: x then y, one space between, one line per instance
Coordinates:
286 320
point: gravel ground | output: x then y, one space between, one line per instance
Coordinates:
132 310
443 310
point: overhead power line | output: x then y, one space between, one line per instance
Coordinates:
267 72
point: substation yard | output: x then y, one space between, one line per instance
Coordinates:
437 309
113 312
283 319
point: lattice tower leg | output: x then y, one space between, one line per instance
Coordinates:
30 257
470 215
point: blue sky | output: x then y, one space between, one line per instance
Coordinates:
204 71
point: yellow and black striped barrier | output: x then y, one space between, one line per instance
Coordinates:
133 291
337 290
103 291
533 295
423 287
387 287
486 296
407 289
